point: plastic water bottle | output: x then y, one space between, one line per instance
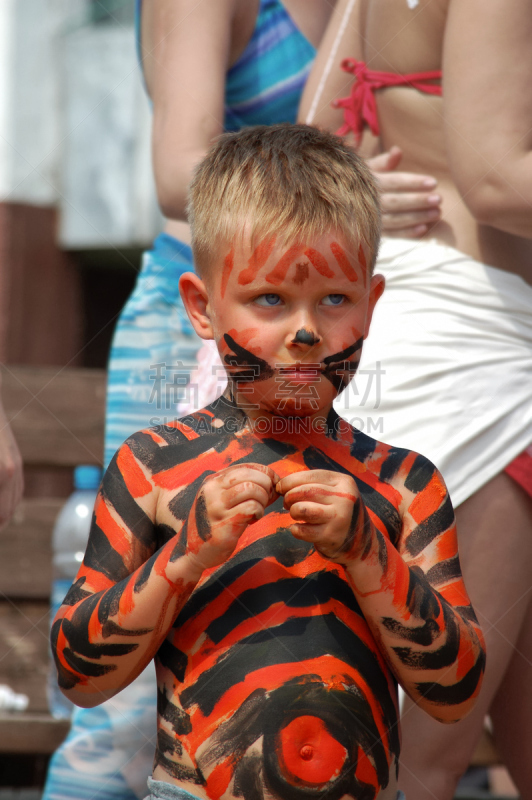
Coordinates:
69 540
11 701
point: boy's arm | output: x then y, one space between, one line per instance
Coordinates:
413 598
126 593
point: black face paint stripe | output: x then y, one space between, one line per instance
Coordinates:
255 368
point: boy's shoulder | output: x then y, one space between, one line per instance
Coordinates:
181 439
388 463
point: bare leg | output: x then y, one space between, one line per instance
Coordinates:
511 711
495 540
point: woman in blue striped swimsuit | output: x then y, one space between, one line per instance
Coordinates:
185 53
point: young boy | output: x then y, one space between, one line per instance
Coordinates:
283 569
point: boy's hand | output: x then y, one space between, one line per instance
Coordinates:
328 512
227 503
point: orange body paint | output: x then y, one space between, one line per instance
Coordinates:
136 481
309 752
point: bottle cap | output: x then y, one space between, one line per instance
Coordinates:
87 476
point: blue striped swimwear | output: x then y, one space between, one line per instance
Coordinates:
159 790
108 753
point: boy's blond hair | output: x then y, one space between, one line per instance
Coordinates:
294 182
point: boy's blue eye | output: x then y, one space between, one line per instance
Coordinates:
268 300
334 299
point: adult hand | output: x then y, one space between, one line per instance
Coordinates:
11 478
410 203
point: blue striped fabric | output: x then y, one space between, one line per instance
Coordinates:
265 84
154 347
109 752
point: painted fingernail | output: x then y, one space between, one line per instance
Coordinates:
419 230
430 183
434 198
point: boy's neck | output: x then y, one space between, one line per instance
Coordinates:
265 423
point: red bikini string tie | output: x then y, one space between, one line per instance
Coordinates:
360 108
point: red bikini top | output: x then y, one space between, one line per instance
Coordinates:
360 107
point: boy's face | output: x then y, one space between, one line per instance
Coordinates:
289 321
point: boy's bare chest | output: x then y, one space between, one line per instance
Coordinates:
275 669
271 664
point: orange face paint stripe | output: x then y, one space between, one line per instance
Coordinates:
258 259
319 262
278 273
227 269
244 337
343 261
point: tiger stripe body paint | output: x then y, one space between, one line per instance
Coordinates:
272 680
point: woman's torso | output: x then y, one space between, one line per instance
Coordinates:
399 39
271 51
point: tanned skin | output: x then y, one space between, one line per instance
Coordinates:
282 568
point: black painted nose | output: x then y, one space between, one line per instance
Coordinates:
305 337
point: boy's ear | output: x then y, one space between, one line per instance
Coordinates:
376 288
196 302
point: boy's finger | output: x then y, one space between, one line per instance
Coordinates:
247 512
258 473
247 490
306 476
274 477
317 493
306 531
313 513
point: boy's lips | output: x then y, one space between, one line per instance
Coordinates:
301 372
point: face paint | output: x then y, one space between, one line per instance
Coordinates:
249 367
338 369
258 259
343 261
278 273
302 273
305 337
228 268
319 262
